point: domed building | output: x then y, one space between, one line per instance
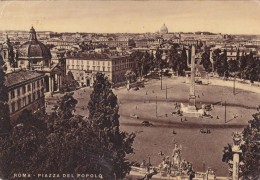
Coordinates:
34 55
164 29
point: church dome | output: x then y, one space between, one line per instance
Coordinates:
33 49
164 29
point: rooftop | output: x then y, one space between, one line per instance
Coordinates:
20 76
95 56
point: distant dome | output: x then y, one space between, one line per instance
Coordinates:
33 49
164 29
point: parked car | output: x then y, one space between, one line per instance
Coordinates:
147 123
134 116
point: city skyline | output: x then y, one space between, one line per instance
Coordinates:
229 17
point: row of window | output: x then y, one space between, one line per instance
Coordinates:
26 100
98 68
94 68
93 62
23 88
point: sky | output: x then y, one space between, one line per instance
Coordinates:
231 17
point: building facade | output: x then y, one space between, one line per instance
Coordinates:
25 91
85 67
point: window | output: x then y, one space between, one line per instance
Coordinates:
29 87
108 68
98 68
42 82
103 68
29 99
24 89
13 107
12 94
19 104
38 84
108 63
38 94
18 91
24 101
34 96
93 68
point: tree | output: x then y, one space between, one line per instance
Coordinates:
173 58
69 83
182 65
130 77
158 59
251 70
137 56
242 65
66 106
205 61
250 157
22 150
225 64
104 118
233 66
147 63
4 108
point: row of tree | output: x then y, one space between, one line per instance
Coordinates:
146 62
67 143
246 66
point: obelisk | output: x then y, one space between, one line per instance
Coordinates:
192 97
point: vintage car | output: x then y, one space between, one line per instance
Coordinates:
134 116
147 123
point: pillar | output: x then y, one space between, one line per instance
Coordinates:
52 84
235 166
192 98
49 83
58 86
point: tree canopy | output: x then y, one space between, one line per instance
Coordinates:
250 157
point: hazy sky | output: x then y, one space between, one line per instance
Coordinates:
132 16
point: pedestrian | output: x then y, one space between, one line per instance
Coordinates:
217 117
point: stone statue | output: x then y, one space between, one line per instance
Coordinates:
176 154
237 138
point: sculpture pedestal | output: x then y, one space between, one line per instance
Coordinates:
191 111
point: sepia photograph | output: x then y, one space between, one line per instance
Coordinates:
130 90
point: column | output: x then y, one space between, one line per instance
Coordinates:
192 98
50 84
58 86
235 166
